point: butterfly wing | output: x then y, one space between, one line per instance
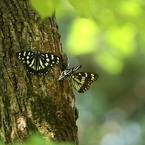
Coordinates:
82 80
36 62
66 73
47 61
27 58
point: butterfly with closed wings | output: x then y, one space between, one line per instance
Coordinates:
81 81
36 62
68 72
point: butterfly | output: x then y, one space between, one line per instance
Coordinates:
81 81
67 72
36 62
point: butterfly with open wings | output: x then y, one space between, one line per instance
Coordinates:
36 62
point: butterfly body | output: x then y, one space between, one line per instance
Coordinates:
68 72
38 63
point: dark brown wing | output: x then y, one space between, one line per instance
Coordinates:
82 80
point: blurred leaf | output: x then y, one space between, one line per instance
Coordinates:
66 143
82 7
37 139
130 8
121 40
1 143
82 37
109 63
45 8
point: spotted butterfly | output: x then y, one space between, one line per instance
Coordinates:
67 72
81 81
36 62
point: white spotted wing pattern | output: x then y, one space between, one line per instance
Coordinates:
82 80
36 62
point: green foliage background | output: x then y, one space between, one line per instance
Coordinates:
37 139
110 42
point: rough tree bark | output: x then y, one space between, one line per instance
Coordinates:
30 103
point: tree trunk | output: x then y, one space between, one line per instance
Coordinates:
31 103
